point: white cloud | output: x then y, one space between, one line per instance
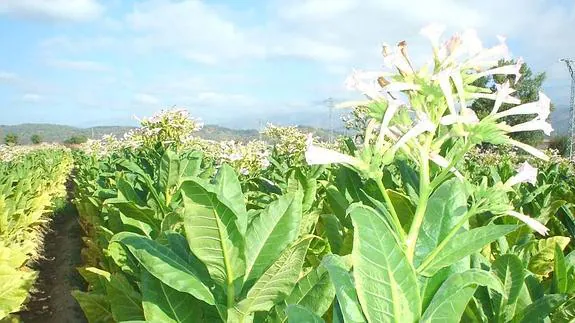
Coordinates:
8 77
66 10
192 28
146 99
85 66
32 98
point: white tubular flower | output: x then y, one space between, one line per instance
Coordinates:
541 107
532 150
424 125
433 32
396 59
525 174
442 162
513 69
443 78
533 125
315 155
532 223
490 57
503 96
392 107
356 82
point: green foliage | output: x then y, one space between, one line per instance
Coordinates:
11 139
76 140
35 139
29 183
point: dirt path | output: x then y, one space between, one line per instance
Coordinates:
52 301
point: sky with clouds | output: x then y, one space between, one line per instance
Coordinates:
238 63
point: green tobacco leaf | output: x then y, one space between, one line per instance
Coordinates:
451 299
164 304
191 164
269 233
465 244
509 269
334 232
403 208
300 314
169 173
543 255
229 188
540 309
338 204
560 275
96 307
125 301
345 289
166 265
385 279
144 214
276 282
212 232
14 287
313 291
445 208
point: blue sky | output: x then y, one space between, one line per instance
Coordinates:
237 63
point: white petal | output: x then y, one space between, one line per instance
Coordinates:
471 42
532 150
533 125
525 174
443 78
532 223
422 126
315 155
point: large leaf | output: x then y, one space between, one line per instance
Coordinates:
338 204
445 208
313 291
464 244
212 232
125 301
385 279
269 233
229 188
560 275
277 282
509 269
14 287
450 301
164 304
166 265
542 257
540 309
300 314
333 231
96 307
169 174
345 289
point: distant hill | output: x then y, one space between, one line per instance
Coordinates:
59 133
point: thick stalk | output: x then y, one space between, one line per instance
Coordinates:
391 208
424 192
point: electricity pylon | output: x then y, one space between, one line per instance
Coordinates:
330 104
570 63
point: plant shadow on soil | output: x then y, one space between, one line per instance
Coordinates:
51 299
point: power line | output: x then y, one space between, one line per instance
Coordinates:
569 63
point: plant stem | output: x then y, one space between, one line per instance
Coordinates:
391 208
424 192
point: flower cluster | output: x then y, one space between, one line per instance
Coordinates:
288 141
424 114
171 126
10 153
248 159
